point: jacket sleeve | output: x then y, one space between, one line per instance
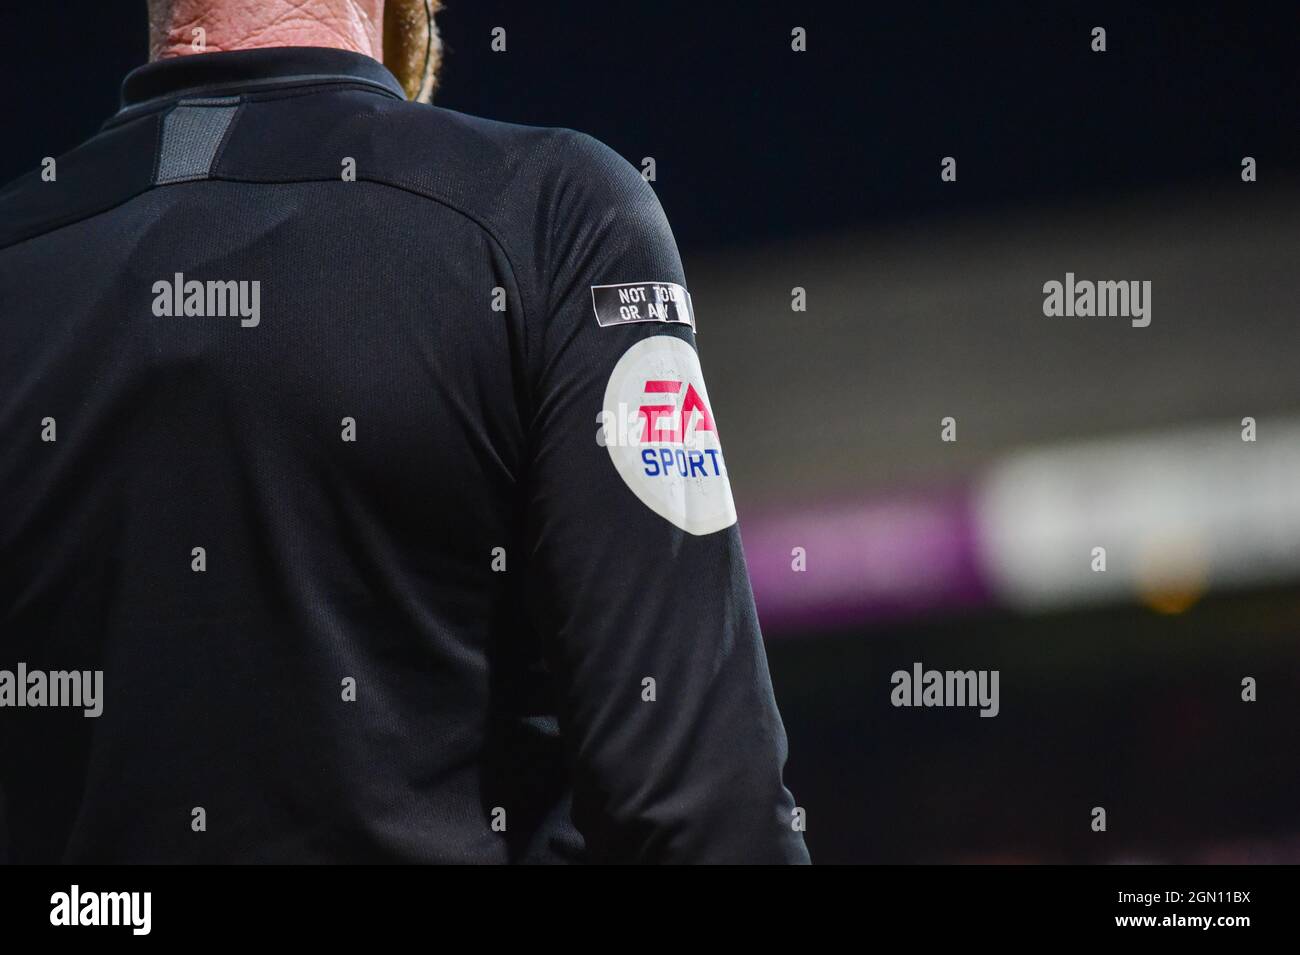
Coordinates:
636 570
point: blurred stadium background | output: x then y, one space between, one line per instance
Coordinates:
924 300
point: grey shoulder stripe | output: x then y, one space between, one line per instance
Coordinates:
191 134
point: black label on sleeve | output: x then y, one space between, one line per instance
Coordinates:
664 302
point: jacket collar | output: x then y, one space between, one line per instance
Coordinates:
163 82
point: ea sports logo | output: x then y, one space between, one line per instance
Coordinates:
681 415
659 430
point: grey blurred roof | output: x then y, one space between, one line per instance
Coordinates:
907 325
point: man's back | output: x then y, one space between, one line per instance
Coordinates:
300 385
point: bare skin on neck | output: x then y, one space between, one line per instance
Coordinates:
356 25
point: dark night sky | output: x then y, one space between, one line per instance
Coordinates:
755 142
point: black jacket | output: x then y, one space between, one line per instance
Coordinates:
331 437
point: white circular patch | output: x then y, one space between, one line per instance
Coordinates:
658 426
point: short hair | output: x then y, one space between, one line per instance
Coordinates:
412 45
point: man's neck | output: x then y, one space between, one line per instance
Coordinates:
250 24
